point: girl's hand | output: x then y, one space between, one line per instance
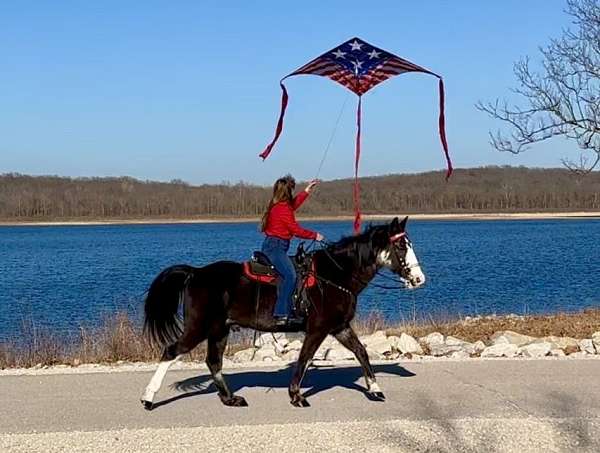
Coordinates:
311 185
320 237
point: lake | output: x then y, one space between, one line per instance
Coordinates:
62 277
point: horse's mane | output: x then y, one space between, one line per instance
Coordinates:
349 241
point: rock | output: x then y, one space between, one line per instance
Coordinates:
291 356
561 342
244 355
76 362
478 346
500 350
443 349
375 355
295 345
277 338
571 349
267 354
587 346
406 344
557 353
378 342
541 349
340 353
434 338
596 341
461 354
510 337
578 354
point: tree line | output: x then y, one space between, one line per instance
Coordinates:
487 189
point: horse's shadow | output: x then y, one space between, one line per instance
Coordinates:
318 379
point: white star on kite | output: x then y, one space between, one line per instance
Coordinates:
355 45
339 54
374 54
357 65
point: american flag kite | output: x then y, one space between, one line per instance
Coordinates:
359 66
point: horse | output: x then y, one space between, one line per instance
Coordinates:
219 294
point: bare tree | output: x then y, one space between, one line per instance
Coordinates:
563 98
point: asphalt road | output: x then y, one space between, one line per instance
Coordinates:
474 405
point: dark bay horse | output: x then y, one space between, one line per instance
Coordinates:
214 295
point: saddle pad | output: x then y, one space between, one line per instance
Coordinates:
265 274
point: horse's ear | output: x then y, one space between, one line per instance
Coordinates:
403 223
394 224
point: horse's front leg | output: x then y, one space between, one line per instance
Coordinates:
312 341
349 339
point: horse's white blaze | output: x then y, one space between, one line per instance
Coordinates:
416 275
157 379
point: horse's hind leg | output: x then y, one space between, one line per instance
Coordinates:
188 341
349 339
214 361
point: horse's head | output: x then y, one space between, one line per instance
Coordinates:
395 252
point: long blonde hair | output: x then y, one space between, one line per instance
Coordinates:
283 190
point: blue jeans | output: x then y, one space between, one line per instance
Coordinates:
277 251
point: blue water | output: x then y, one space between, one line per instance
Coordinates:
67 276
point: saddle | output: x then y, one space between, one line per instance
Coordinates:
259 269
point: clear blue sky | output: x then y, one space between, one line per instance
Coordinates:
189 90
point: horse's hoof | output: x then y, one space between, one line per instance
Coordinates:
235 401
376 396
300 401
148 405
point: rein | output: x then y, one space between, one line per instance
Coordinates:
378 272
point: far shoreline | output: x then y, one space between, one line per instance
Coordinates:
366 218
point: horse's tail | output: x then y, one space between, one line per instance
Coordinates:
162 322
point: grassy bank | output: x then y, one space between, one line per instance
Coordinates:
119 338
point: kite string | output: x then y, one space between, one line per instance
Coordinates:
332 136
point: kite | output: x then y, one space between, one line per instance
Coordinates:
359 66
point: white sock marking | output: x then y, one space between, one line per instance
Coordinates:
157 379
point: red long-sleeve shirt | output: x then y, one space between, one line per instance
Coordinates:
281 222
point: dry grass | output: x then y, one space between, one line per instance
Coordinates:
577 325
119 338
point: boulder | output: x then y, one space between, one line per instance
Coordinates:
406 344
500 350
510 337
277 338
295 345
340 353
461 354
557 353
244 355
378 343
478 346
434 338
579 354
375 355
267 354
561 342
291 356
587 345
596 341
540 349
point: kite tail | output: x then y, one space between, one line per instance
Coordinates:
442 128
284 102
357 216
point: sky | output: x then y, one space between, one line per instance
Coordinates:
189 90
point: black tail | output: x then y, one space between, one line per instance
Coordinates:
162 322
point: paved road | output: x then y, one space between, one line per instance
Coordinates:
477 405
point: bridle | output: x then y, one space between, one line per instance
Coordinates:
394 239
